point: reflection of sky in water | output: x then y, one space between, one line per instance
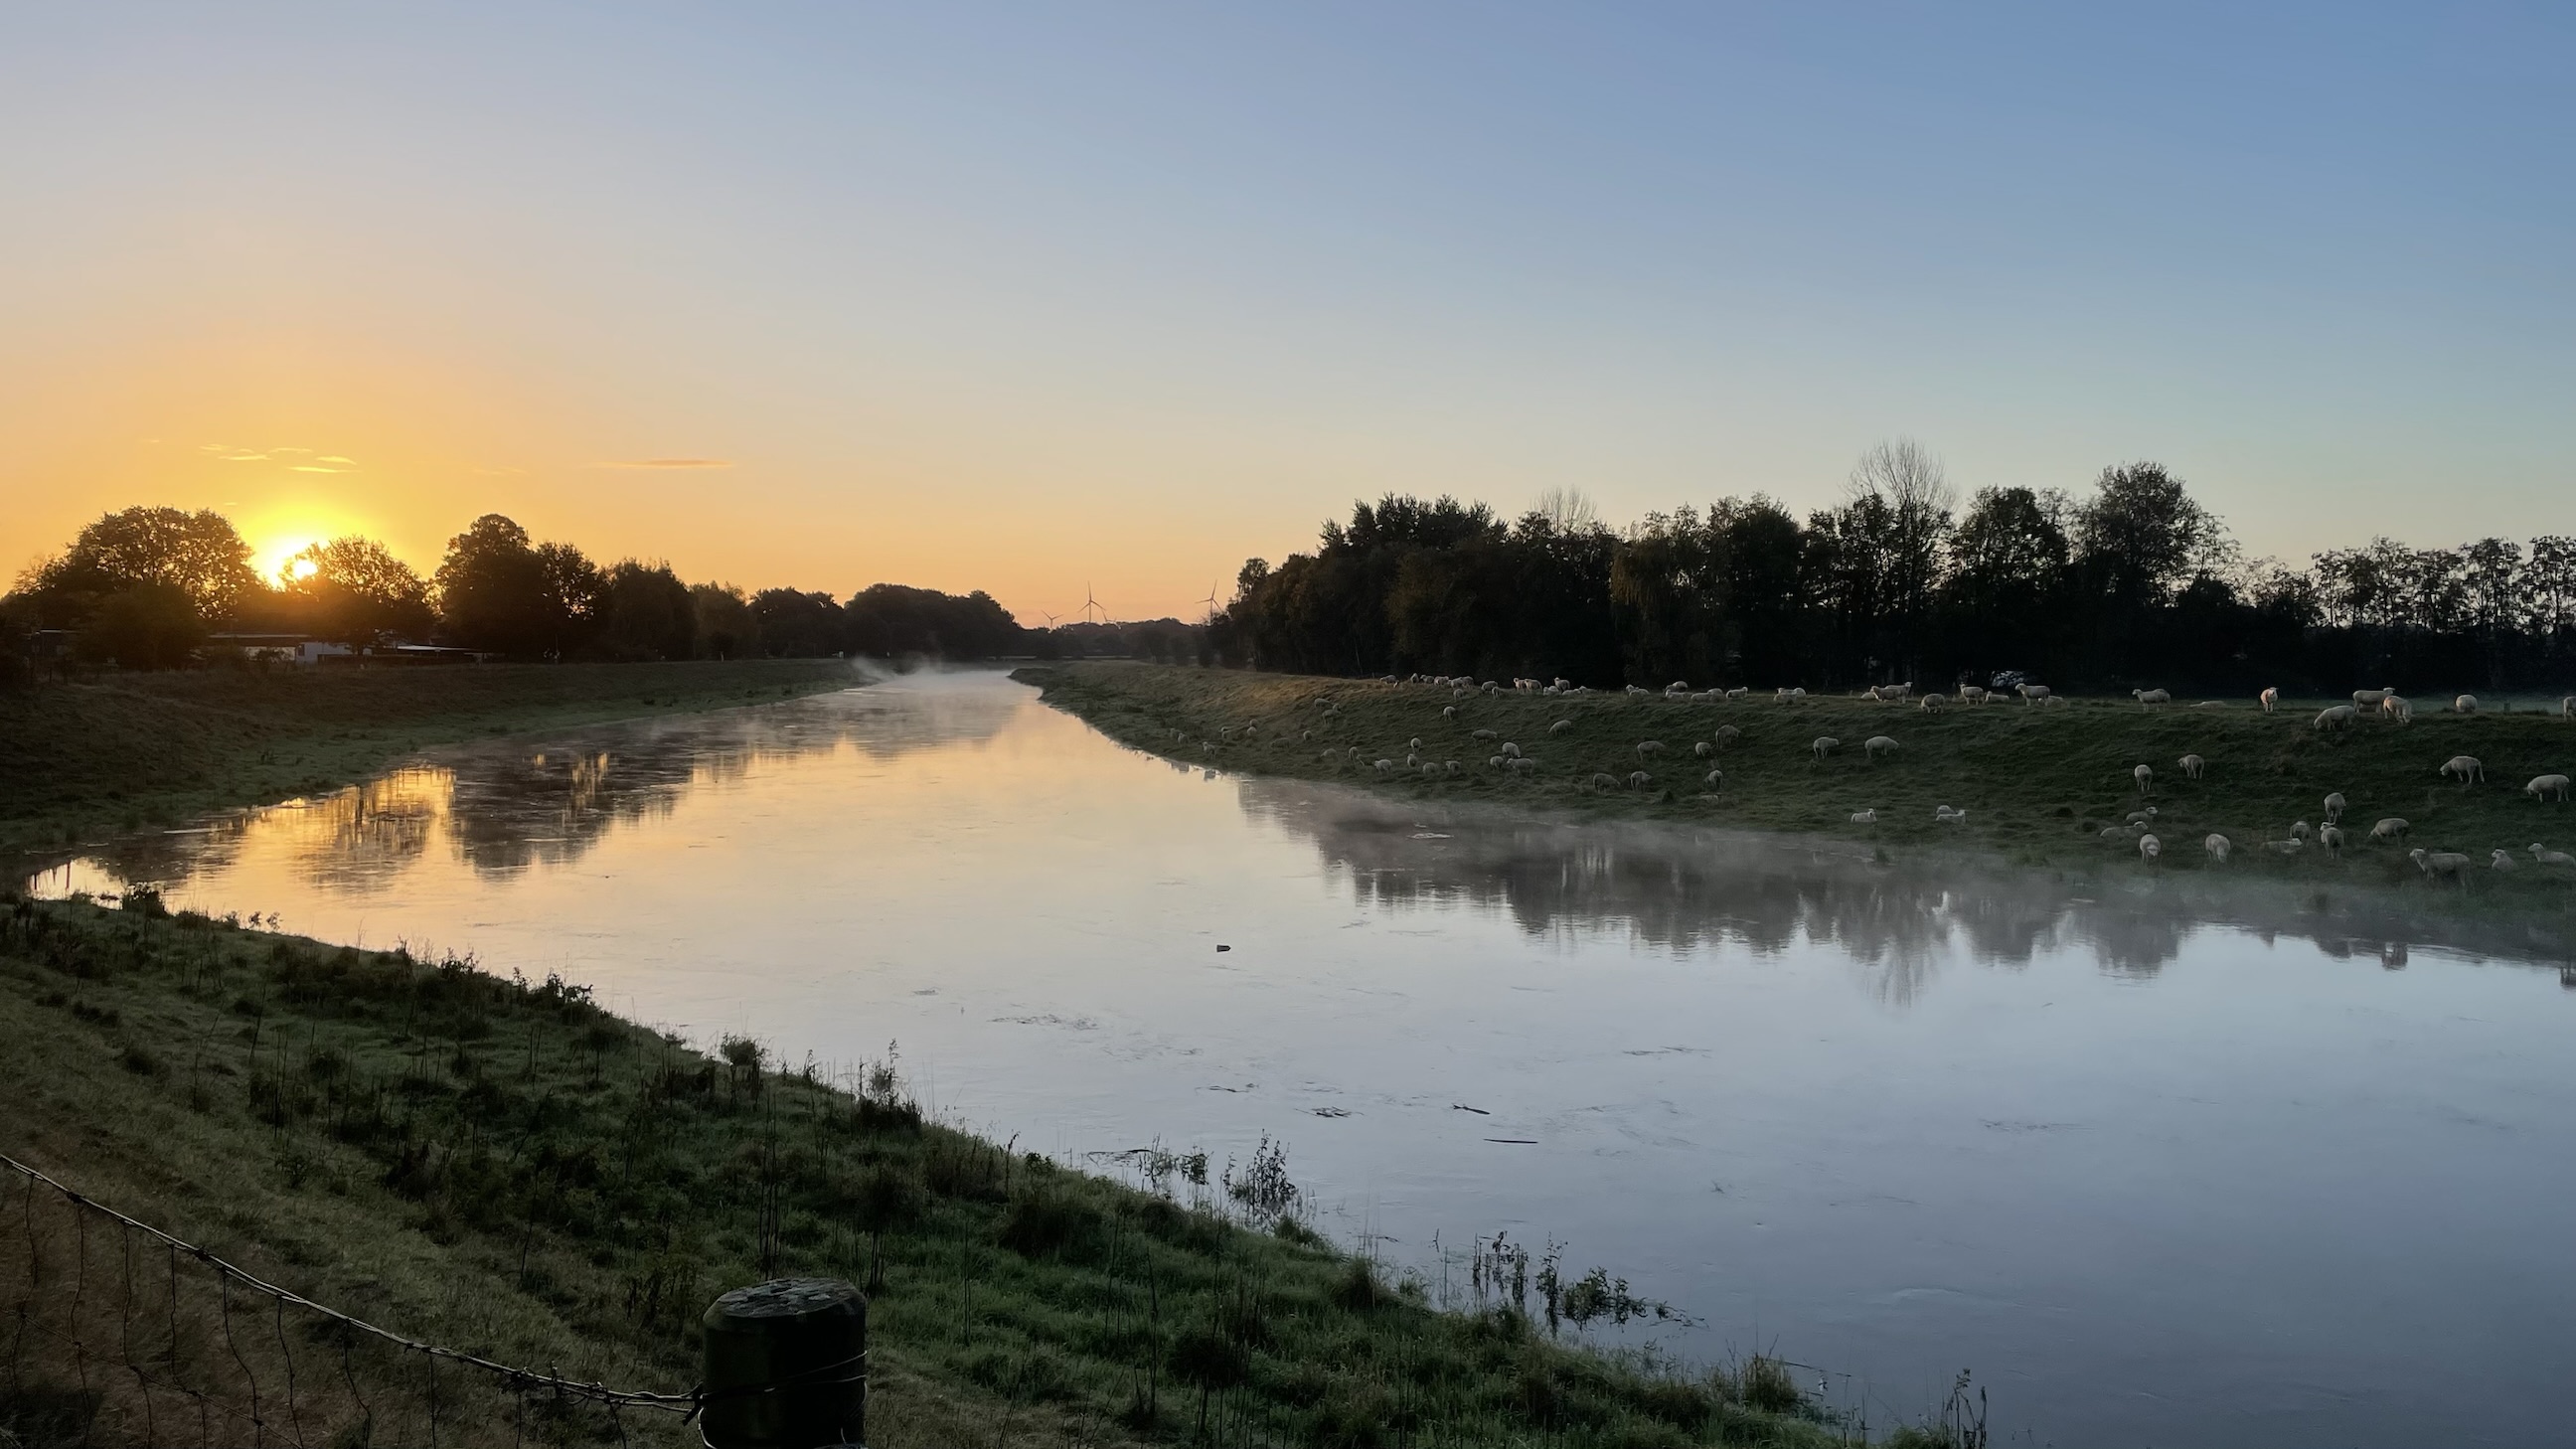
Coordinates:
2163 1167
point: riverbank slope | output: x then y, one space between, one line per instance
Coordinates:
2040 786
78 760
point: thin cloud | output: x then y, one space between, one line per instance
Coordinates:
231 454
670 463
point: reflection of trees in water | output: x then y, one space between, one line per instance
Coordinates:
1684 890
507 807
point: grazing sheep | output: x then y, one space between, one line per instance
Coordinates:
1648 749
2285 847
1935 702
2192 765
1496 762
2567 707
1639 779
2331 837
1738 692
2335 717
1385 767
2542 786
2149 848
2055 701
2501 860
2465 767
2142 817
2299 830
1725 735
1523 764
1510 749
2145 776
2398 708
2390 828
2465 704
2117 832
1971 694
1825 745
1411 759
2441 862
2032 693
2334 807
1602 780
1450 765
1414 743
2370 698
1430 768
2217 846
1864 817
2147 697
1787 695
2550 857
1944 815
1703 749
1636 689
1355 752
1449 711
1715 779
1560 727
1877 745
1305 737
1483 735
2268 698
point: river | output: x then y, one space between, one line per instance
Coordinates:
2157 1173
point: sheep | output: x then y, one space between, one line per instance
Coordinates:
2055 701
1355 752
1825 745
1449 711
1522 765
1715 779
2299 830
1412 758
1451 766
1385 767
1648 749
1560 727
2390 828
2370 698
1935 702
2331 837
1788 695
2145 775
2465 767
2335 717
2268 698
1510 749
2142 817
1703 749
1636 689
2544 785
1483 735
2285 847
2334 807
2501 860
1305 737
1414 743
2149 848
2465 704
1639 779
2192 765
2550 857
1602 780
1430 768
2117 832
1496 762
1971 694
2032 693
1725 735
1864 817
1738 692
1944 815
2398 708
2147 697
2217 846
2441 862
1877 745
2567 707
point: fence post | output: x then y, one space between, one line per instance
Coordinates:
787 1366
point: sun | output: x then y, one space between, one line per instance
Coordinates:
275 556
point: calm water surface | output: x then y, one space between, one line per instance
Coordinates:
2158 1178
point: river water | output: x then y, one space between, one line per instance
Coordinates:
2158 1173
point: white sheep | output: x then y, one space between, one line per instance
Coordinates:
1877 745
2268 698
2217 846
1449 711
1523 765
1385 767
2299 830
1496 762
1944 815
2285 847
2032 693
1639 779
2334 807
2331 837
1511 750
1483 735
2501 860
1603 780
2567 707
2465 768
2149 848
2550 857
1738 692
1430 768
2335 717
2465 704
2145 775
1715 778
2398 708
2192 765
1414 743
2117 832
1725 735
1864 817
1703 749
2542 786
2147 697
1935 702
1648 749
2390 828
2143 817
2055 701
1825 745
1971 694
2440 862
2370 698
1450 765
1560 727
1788 695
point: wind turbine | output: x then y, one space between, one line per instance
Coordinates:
1210 601
1050 618
1089 603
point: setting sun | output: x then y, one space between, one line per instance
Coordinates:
275 556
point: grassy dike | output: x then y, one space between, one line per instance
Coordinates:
504 1168
2039 785
79 760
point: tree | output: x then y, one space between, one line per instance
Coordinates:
725 627
199 554
497 591
1913 520
2008 565
797 625
646 612
355 592
2142 538
147 626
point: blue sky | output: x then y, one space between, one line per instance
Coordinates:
1027 297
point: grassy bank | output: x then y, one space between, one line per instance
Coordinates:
2039 785
507 1169
78 760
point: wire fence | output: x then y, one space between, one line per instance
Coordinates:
120 1333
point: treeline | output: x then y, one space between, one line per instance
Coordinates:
147 587
2133 583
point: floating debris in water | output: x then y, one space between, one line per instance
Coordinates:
1225 948
1463 1107
1515 1141
1331 1112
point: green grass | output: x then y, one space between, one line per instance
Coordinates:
2039 785
80 760
507 1169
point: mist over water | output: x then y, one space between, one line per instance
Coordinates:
2159 1167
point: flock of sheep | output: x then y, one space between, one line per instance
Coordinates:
1508 757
